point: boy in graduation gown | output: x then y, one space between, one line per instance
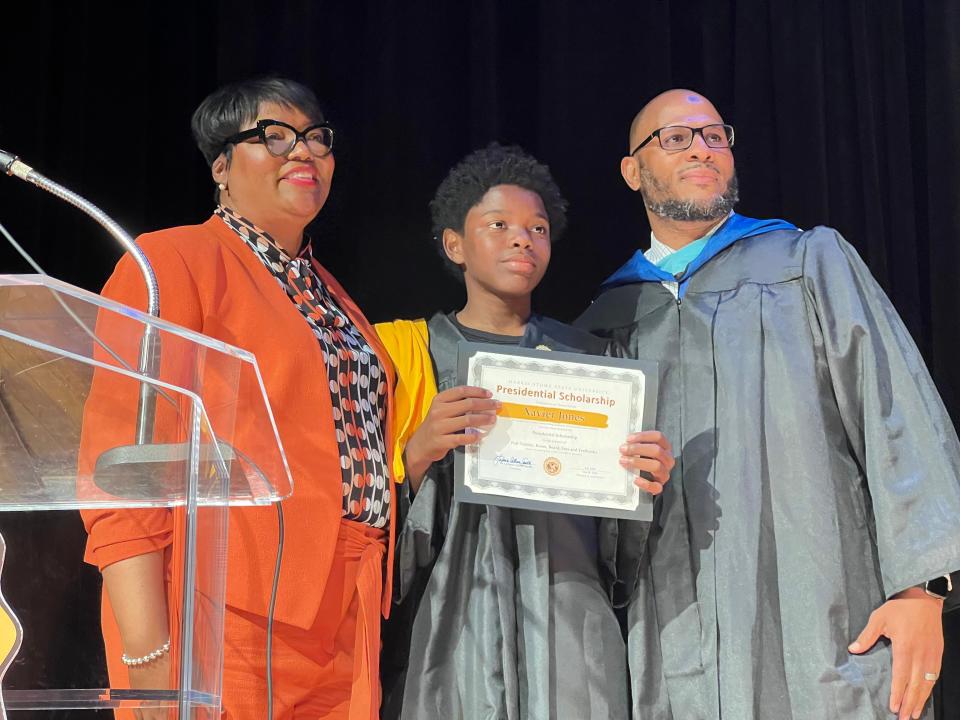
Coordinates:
511 611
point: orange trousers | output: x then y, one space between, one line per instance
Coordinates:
330 671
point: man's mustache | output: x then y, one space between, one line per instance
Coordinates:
700 165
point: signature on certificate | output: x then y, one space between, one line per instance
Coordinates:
513 461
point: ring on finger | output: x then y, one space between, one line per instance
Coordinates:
930 677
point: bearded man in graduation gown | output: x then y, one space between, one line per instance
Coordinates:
812 516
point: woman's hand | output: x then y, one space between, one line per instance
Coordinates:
648 452
153 676
450 423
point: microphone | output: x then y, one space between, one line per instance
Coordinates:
6 161
149 357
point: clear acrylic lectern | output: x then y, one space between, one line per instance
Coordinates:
70 389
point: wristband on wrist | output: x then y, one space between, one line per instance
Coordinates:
148 658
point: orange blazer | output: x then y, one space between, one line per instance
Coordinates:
211 282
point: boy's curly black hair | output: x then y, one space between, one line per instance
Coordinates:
471 178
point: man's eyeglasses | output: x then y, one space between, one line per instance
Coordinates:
680 137
280 138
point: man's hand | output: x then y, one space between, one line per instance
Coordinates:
449 423
912 621
648 452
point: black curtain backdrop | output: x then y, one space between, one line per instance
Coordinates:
847 114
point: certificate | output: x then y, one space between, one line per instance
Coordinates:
556 443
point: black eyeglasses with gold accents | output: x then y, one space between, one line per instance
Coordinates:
680 137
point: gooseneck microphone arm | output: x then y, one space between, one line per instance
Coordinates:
148 362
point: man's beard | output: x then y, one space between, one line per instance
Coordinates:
659 201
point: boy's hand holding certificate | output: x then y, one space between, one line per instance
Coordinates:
562 422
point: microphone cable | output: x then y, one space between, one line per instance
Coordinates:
272 608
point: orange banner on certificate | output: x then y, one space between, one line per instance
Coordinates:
564 416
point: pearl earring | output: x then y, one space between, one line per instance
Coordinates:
222 186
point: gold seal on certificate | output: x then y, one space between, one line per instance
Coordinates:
556 443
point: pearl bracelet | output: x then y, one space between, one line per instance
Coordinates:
148 658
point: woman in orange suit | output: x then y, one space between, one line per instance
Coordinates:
247 276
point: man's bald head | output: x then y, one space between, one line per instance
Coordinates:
671 103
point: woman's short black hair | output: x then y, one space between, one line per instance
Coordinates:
227 109
471 178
